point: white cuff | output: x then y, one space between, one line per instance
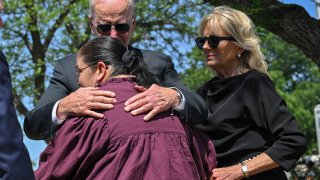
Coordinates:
180 106
55 120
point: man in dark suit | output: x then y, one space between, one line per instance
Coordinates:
63 98
15 162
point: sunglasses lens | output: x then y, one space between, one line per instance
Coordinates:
200 41
213 42
103 28
122 27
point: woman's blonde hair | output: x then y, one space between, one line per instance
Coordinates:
241 28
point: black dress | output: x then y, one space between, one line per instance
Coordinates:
247 117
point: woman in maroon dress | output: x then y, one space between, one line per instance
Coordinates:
122 146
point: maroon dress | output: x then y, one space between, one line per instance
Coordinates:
122 146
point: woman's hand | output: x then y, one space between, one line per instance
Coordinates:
230 172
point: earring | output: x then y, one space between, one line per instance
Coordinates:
239 56
97 84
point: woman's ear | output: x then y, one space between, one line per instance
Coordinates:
240 51
101 71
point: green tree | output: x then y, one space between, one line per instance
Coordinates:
36 33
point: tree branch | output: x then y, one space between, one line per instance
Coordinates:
58 23
18 103
288 21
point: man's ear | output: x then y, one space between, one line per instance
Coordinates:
133 23
90 20
101 71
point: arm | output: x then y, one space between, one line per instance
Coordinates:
254 166
195 110
63 86
282 127
158 99
268 114
38 122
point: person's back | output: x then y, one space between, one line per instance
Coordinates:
122 146
159 149
122 124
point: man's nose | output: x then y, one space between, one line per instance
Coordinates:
113 32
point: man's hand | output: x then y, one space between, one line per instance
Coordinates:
155 99
84 101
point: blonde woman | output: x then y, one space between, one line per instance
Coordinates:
254 134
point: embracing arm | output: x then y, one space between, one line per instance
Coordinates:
73 101
38 122
195 110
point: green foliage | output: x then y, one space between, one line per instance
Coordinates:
35 35
296 68
169 26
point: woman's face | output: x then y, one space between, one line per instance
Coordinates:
86 75
224 57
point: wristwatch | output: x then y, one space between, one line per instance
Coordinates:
244 169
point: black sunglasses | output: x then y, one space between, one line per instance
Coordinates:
213 41
105 28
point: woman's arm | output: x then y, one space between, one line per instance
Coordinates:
247 168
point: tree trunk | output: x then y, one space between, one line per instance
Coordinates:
290 22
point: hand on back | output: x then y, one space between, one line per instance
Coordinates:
85 102
153 100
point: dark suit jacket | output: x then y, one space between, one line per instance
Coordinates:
38 123
15 162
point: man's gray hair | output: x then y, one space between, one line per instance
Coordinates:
131 7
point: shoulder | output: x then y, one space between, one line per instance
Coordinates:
255 75
68 60
151 55
63 65
257 83
255 78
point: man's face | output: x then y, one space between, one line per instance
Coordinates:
114 14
